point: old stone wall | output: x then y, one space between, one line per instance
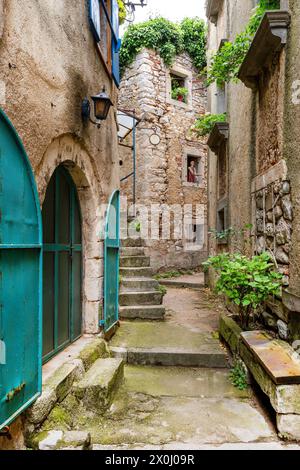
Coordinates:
48 64
162 169
263 162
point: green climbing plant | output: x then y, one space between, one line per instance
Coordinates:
225 64
167 39
204 124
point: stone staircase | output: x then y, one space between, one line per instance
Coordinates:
140 297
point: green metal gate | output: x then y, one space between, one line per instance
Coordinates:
111 263
62 312
20 278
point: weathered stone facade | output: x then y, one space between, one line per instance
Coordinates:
49 63
162 169
263 188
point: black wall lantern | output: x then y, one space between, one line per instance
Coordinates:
102 104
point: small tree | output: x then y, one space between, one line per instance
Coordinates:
247 282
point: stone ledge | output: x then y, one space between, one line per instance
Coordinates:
277 172
231 332
269 39
285 399
218 135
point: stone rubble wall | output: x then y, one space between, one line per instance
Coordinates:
160 169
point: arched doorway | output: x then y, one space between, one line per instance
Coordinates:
62 270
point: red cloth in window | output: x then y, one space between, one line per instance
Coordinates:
191 177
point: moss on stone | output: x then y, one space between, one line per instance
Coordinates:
93 351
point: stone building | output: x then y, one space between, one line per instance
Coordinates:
51 59
251 165
253 161
165 147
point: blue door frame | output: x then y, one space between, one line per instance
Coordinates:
20 278
111 264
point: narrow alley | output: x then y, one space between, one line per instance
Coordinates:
170 387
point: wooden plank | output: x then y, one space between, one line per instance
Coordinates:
277 357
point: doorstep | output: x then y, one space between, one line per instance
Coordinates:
59 375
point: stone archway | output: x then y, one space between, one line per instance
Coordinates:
67 151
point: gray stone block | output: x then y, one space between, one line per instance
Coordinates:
97 387
39 411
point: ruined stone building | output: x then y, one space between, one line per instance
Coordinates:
253 162
53 55
165 147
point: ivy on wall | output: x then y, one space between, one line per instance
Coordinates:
167 39
205 124
226 62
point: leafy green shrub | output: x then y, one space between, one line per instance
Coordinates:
167 39
226 62
247 282
205 124
238 375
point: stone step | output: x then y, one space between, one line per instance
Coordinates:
132 251
145 312
139 283
97 388
135 261
132 242
167 344
189 282
140 298
136 272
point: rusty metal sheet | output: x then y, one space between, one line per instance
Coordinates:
277 357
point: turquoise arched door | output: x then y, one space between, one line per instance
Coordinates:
62 260
20 278
111 263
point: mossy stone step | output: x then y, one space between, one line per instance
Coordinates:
140 298
136 272
142 312
135 261
132 251
138 283
132 242
97 388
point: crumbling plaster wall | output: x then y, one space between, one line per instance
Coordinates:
48 64
145 87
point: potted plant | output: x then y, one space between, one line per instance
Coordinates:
180 94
